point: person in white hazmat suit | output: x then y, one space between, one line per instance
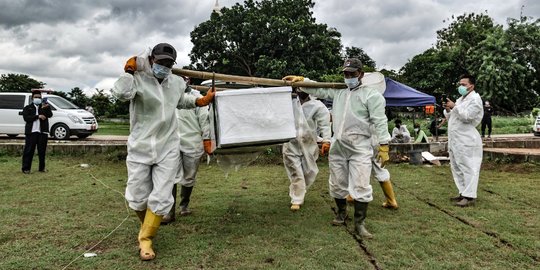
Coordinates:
382 175
300 154
354 110
464 141
153 154
194 132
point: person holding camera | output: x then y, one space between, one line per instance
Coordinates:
36 130
464 142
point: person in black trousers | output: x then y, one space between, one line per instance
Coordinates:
36 116
486 120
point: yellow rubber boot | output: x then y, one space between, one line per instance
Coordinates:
148 231
389 194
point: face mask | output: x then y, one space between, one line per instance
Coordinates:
161 72
462 90
351 82
36 101
416 129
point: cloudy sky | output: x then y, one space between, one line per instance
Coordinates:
76 43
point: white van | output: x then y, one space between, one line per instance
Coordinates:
67 120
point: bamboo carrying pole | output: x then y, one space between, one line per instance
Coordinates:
252 80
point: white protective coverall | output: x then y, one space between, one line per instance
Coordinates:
465 143
354 110
300 154
404 132
381 174
193 128
153 152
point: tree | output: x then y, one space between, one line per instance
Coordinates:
360 54
505 62
78 97
101 103
18 83
523 35
61 94
433 71
266 39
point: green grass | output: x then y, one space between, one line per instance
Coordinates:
500 125
243 221
112 128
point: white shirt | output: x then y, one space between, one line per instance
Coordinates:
36 126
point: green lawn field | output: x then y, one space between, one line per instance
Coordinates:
243 221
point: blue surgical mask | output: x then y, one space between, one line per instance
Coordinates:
161 72
462 90
351 82
37 101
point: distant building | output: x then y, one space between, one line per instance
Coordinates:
217 8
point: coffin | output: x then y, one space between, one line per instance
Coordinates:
252 117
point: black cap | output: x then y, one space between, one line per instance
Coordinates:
352 65
164 51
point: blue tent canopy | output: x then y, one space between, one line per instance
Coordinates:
401 95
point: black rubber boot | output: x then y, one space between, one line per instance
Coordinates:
341 214
185 194
360 212
171 216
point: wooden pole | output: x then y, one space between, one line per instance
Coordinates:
253 80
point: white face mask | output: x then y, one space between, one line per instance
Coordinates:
351 82
417 129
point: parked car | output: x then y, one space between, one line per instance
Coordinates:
67 120
536 126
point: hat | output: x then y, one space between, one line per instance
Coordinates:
164 51
352 65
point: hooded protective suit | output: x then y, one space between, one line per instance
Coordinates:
465 143
381 174
194 127
153 153
354 110
300 154
403 132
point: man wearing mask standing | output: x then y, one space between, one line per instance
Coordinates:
354 110
486 120
153 153
36 130
300 154
464 142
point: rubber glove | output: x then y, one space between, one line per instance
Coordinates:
207 146
131 65
325 147
382 156
204 101
293 78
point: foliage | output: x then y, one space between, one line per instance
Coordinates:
505 62
360 54
101 103
78 97
266 39
18 83
535 112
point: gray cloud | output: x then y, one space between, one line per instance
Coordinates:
85 43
